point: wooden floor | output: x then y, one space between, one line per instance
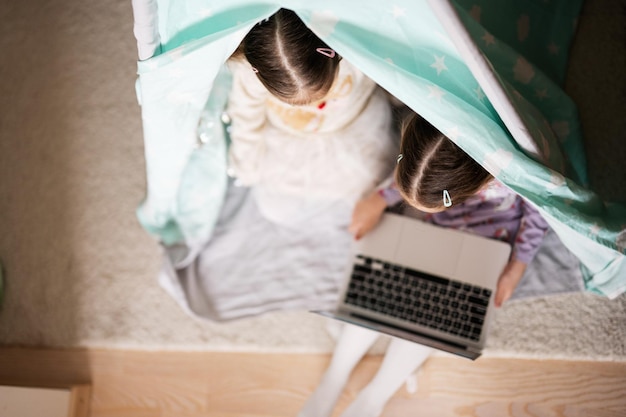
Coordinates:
176 384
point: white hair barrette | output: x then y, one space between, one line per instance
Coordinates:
399 158
447 201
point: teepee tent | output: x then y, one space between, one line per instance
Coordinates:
486 74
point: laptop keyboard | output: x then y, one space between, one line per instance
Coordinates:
443 304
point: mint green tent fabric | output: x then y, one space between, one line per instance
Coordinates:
489 78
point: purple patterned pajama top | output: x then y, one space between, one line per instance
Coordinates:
494 212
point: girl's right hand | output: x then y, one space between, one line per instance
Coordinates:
367 214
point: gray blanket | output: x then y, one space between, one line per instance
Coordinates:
252 265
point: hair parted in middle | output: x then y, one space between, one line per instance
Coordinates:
431 164
284 53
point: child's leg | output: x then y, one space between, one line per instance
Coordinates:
401 359
353 343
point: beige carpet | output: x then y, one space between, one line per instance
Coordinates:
81 272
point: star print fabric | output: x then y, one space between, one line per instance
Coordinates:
486 73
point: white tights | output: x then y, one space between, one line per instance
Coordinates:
401 359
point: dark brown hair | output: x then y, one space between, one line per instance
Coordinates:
283 50
432 163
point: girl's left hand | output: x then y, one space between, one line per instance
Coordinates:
508 280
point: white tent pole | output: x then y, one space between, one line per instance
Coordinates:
146 28
483 72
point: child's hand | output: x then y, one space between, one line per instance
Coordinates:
366 214
508 280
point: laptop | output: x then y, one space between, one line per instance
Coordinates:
423 283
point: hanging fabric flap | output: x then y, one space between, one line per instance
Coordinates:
490 92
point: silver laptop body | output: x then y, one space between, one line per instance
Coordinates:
423 283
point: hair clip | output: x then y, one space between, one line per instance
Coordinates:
256 71
399 158
447 201
326 52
